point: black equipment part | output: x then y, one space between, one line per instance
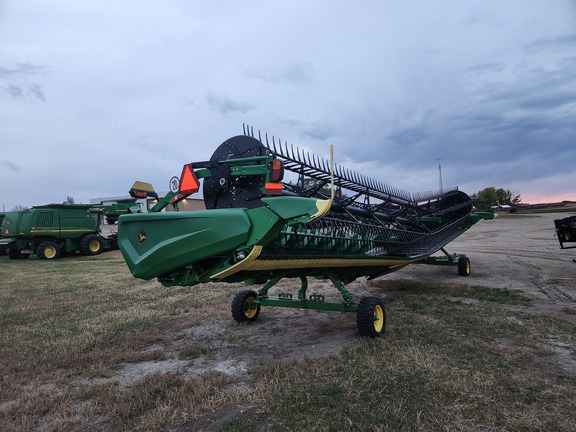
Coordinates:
225 191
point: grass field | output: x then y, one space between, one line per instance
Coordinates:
454 358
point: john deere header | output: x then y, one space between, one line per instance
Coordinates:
327 222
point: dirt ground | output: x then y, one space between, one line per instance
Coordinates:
513 251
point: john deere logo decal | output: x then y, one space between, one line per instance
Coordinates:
142 236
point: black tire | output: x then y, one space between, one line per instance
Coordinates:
110 220
242 311
48 250
91 244
112 241
371 317
14 253
464 266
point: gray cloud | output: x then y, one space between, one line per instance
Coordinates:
409 136
294 73
226 105
18 81
13 90
10 165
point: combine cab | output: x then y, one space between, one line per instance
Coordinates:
329 223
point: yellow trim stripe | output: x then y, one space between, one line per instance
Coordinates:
251 263
254 253
323 206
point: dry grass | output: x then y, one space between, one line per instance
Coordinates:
454 358
444 365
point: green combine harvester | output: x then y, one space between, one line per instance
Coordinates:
52 230
328 223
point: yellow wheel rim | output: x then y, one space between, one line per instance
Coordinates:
249 310
467 267
378 318
94 246
50 252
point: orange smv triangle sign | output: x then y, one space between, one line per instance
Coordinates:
188 181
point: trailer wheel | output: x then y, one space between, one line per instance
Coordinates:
48 250
371 317
464 266
242 309
91 244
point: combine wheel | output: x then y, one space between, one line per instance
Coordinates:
91 244
242 309
371 317
48 250
463 266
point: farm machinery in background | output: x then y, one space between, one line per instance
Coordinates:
329 223
113 210
52 230
566 230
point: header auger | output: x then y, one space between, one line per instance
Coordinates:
327 223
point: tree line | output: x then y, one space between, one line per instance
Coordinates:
491 196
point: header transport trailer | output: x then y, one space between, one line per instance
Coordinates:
330 223
52 230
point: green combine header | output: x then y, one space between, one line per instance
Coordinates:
330 223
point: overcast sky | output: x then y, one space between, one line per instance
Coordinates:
97 94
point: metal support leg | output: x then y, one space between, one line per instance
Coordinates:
346 295
452 258
303 288
263 292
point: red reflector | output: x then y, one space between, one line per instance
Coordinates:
188 181
273 188
178 198
276 170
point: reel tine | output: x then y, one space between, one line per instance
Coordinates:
325 165
301 156
317 167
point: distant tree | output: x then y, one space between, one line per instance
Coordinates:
487 197
491 196
70 200
20 208
507 197
516 198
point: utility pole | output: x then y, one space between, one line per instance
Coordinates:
440 172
